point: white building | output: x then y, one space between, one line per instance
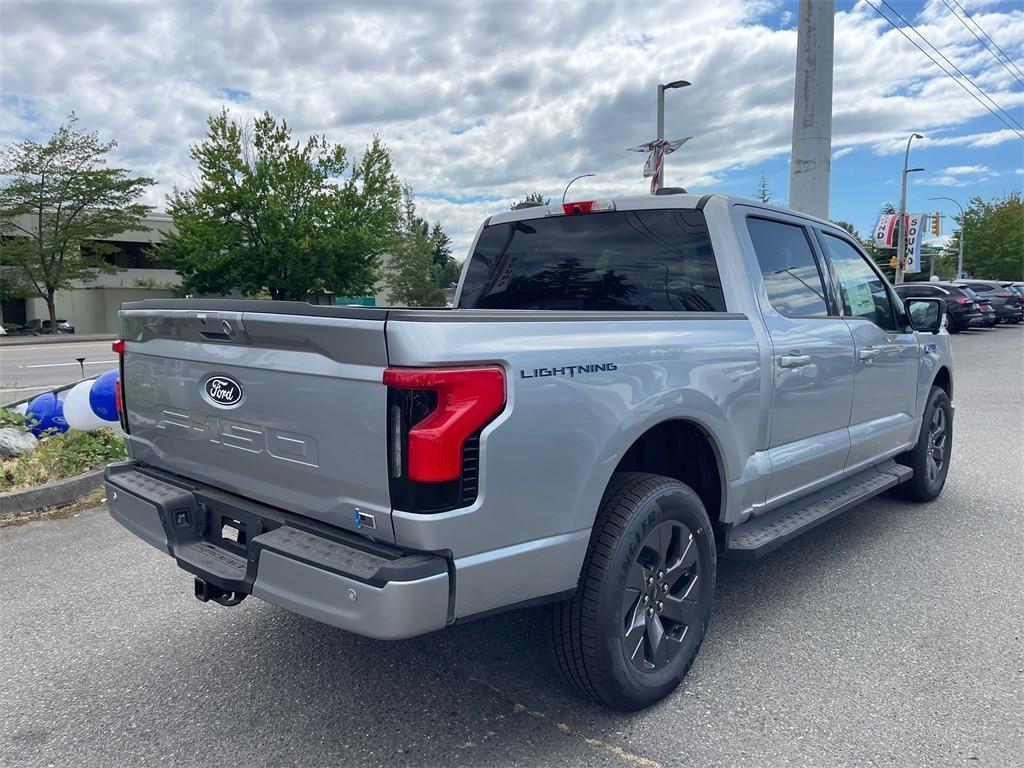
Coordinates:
91 306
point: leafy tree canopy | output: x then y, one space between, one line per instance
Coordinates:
59 196
993 235
532 197
271 215
411 272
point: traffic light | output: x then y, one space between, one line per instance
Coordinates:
937 224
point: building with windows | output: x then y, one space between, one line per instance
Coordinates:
91 305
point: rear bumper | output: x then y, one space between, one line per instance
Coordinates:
305 567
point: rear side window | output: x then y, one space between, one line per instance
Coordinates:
620 260
790 272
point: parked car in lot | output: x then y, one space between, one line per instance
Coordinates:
625 392
37 327
1006 303
961 310
988 314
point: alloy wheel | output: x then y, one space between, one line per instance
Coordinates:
937 442
660 601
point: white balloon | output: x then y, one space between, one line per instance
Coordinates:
22 409
78 412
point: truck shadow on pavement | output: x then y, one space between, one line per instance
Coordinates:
256 685
486 692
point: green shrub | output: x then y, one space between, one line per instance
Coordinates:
62 455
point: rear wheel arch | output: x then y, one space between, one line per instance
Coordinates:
944 381
685 451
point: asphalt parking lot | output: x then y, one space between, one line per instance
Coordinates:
893 635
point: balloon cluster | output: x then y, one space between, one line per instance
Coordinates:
88 406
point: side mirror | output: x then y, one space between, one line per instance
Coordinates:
926 315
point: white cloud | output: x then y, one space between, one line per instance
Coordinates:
965 170
482 103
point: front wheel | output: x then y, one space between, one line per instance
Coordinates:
930 457
638 617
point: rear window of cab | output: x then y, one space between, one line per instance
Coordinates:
652 260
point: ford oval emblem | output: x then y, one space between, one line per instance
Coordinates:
222 391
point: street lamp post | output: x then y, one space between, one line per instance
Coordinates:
662 87
963 220
902 243
571 181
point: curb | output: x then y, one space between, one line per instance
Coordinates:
61 338
50 494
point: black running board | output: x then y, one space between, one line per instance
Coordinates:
760 535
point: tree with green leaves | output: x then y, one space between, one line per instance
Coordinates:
849 228
993 234
60 196
410 272
445 269
272 215
532 197
763 193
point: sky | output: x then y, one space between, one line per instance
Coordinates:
482 102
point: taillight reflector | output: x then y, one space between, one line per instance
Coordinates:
118 346
467 398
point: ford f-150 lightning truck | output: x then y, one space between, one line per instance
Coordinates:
624 392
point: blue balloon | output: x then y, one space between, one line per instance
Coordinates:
44 413
102 397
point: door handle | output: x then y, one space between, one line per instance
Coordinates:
793 361
869 354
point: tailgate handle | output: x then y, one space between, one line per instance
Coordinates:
218 326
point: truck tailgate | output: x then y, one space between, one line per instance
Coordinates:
285 409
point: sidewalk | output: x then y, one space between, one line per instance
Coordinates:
12 340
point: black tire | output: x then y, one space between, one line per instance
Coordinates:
954 328
928 459
590 629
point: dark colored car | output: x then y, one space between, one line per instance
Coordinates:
37 326
961 310
1008 304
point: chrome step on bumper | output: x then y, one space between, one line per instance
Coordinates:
332 576
763 534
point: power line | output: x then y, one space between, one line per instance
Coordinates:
949 74
954 66
982 41
989 37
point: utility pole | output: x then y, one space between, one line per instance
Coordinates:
811 158
963 221
659 181
901 245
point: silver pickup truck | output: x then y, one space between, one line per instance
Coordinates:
626 391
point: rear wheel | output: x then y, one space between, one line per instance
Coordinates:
638 618
930 457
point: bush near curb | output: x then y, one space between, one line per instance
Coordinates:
59 455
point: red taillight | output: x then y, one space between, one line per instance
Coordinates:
587 206
467 398
118 347
961 300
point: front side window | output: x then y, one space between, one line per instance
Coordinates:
862 291
619 260
790 273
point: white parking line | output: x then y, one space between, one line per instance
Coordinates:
57 365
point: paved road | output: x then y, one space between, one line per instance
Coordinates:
26 369
893 635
